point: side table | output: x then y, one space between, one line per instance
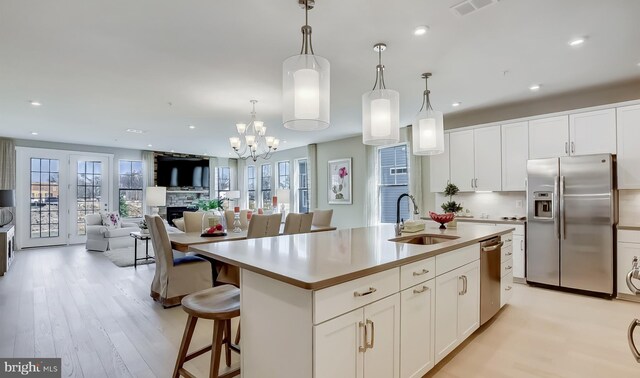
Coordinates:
137 235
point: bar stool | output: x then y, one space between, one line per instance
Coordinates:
220 304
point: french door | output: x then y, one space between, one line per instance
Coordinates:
55 190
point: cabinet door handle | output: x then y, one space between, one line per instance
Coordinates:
508 254
461 292
632 344
522 245
373 333
507 267
422 290
573 147
566 147
507 288
424 271
370 291
472 183
361 325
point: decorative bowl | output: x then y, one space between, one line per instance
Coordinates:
442 218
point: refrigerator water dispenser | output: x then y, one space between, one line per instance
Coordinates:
543 205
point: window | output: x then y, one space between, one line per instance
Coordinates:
393 179
283 175
265 185
44 220
302 186
251 186
130 184
223 181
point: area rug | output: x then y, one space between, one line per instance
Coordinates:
123 257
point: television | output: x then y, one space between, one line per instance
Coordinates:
188 173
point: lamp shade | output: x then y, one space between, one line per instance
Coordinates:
428 133
7 198
305 88
380 117
233 194
156 196
283 196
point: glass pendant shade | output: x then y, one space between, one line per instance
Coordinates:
305 87
428 133
380 117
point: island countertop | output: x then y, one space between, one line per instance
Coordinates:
318 260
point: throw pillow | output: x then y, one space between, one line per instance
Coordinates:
111 220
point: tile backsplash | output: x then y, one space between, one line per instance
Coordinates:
493 204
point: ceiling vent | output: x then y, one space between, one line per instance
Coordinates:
470 6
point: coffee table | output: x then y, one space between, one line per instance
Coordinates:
137 235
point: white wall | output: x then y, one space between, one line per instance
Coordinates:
494 204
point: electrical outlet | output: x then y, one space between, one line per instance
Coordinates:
518 204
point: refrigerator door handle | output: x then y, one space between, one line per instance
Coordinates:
632 345
562 215
556 225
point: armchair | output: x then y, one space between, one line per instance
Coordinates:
101 239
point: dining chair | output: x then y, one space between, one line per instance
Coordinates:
193 221
322 218
174 277
297 223
244 219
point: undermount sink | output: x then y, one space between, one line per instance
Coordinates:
424 239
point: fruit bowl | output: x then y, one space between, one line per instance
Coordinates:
442 218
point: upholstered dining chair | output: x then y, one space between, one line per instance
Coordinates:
244 219
322 218
193 221
261 226
297 223
174 277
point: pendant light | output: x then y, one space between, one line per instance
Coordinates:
380 109
305 84
428 128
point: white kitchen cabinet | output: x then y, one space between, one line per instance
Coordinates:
457 307
518 256
628 161
487 159
515 153
592 132
417 327
362 343
549 137
461 157
439 168
506 289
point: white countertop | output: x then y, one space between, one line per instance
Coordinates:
318 260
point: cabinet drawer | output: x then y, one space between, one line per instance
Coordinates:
417 272
451 260
506 289
342 298
519 230
507 239
628 236
507 253
506 268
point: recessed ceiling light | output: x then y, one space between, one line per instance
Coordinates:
576 42
421 30
149 145
456 104
135 131
192 127
34 133
173 151
35 103
534 87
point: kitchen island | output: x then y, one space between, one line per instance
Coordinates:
356 302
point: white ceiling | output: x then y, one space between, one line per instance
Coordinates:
100 67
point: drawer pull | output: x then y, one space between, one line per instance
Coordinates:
507 288
424 271
508 267
508 254
370 291
422 290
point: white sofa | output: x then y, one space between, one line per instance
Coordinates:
100 238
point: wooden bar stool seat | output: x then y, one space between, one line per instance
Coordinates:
220 304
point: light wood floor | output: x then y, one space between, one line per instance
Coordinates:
99 318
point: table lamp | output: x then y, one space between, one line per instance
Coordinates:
7 199
283 198
156 196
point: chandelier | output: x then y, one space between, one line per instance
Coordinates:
428 128
305 84
251 141
380 109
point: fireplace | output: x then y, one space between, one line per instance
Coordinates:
175 212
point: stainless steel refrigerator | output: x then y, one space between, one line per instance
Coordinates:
570 223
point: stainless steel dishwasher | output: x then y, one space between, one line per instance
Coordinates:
490 259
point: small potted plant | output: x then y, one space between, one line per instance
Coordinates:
144 228
451 206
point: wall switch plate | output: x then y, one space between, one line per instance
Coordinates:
519 204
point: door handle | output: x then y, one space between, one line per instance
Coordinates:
370 291
632 344
373 334
563 230
361 325
472 183
465 284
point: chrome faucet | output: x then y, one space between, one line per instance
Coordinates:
400 224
